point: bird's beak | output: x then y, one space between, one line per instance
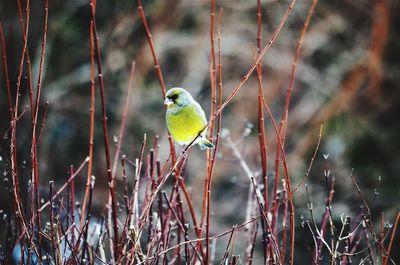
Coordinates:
168 102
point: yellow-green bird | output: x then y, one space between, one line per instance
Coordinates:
185 118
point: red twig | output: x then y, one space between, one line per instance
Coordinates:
284 225
294 66
65 184
21 64
226 253
382 236
72 202
54 238
87 222
261 126
111 181
157 68
284 119
43 120
91 128
123 119
256 61
17 202
210 155
213 66
287 182
5 71
387 254
28 60
325 218
287 102
35 166
125 180
311 160
230 231
191 208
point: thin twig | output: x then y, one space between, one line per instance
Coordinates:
157 68
91 126
387 254
111 181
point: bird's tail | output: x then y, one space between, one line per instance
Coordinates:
204 143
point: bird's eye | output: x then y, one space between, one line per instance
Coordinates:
173 96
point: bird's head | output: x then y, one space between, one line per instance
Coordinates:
177 96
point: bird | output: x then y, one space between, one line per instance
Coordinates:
185 118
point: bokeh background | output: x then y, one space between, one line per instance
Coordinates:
348 79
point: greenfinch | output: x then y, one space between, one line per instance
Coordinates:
185 118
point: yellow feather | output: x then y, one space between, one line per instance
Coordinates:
185 118
185 123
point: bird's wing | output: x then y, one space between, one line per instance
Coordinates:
200 110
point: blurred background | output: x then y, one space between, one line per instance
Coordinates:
348 80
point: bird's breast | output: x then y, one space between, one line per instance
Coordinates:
184 123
